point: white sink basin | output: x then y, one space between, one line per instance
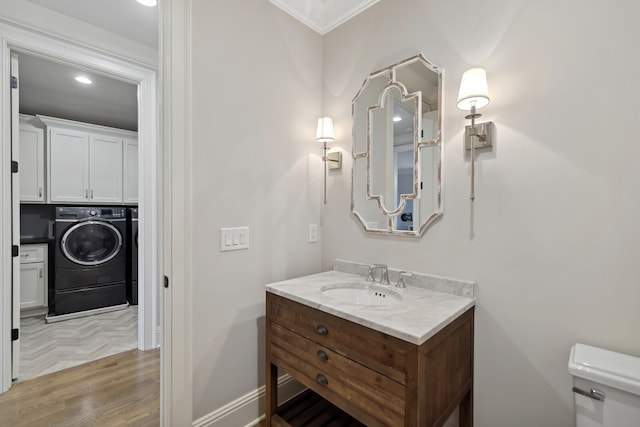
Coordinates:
361 294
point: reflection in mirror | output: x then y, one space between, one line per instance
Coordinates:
397 176
391 136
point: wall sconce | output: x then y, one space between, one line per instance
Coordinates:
473 95
332 160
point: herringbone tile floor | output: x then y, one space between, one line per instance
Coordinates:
46 348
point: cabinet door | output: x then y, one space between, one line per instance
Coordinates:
68 166
105 168
32 285
130 160
31 164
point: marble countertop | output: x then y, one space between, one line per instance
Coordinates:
421 314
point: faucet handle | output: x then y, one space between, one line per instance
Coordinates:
371 275
401 277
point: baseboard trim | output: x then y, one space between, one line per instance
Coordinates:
248 410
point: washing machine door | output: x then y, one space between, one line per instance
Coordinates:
91 243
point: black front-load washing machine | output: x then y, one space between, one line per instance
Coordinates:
90 258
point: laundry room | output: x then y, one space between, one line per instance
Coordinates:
78 178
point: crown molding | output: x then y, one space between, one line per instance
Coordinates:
323 16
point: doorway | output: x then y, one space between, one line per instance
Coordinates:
78 301
150 269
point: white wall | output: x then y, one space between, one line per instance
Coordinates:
552 239
257 95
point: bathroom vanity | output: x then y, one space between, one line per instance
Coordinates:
408 362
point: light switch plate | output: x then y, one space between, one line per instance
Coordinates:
313 233
234 238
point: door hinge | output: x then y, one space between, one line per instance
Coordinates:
15 334
14 166
14 82
15 251
166 282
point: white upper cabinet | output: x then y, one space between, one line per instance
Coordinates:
31 162
86 162
68 166
105 167
130 163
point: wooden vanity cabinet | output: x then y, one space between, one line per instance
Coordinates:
378 379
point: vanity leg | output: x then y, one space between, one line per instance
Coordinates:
271 392
466 410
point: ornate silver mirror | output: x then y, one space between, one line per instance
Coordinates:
397 148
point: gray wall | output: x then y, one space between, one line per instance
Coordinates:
552 238
257 75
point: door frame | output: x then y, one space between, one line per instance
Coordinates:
176 73
14 38
15 212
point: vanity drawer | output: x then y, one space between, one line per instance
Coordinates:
381 352
372 397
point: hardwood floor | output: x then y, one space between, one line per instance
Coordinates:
120 390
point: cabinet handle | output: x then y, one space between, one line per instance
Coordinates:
322 330
24 255
322 355
594 393
322 379
40 273
40 192
86 194
92 194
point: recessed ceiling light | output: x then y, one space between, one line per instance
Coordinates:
84 80
149 3
397 118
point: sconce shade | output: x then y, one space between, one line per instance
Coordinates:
473 89
325 130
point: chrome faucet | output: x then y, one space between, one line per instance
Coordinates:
384 277
401 277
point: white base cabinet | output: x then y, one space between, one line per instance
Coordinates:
33 276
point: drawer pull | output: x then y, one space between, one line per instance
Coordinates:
322 330
594 393
322 355
322 379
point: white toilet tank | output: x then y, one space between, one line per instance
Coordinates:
606 387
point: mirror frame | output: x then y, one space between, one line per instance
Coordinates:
390 71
